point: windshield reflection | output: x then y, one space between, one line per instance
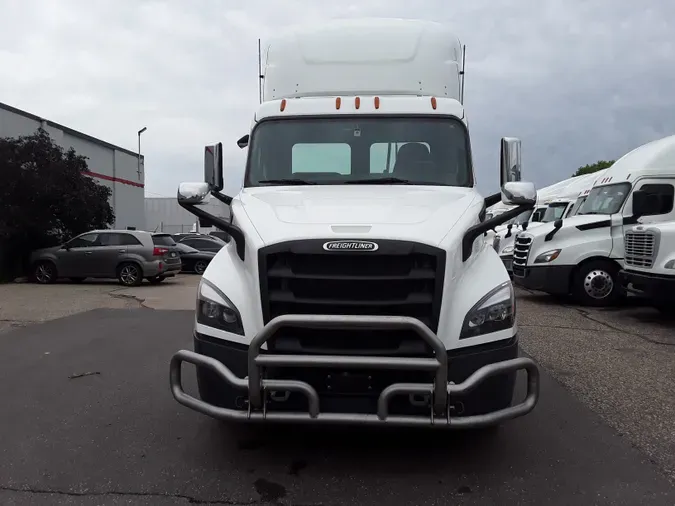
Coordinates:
606 199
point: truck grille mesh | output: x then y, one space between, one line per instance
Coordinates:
640 248
521 251
399 279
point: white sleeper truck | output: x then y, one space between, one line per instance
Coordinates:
559 199
650 260
584 253
357 287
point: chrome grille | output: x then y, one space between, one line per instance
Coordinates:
521 250
640 248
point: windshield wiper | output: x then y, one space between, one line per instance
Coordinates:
286 181
380 180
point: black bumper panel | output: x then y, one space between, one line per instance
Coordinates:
342 390
649 285
462 362
553 279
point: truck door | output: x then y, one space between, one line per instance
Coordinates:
665 189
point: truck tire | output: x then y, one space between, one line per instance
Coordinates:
595 283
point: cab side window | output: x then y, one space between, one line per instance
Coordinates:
665 192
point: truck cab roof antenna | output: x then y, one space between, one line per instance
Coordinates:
260 74
461 73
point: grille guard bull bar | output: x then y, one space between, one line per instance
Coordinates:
439 391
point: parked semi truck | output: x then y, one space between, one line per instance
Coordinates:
561 201
583 254
357 287
649 265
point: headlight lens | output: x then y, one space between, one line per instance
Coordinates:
547 257
496 311
670 264
507 250
216 310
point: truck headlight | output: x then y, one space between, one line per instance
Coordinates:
496 311
216 310
670 264
547 256
507 250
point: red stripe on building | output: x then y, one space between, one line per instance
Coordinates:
116 179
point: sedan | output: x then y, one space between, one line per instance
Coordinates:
193 259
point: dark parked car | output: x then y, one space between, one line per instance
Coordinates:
221 235
128 255
193 259
203 242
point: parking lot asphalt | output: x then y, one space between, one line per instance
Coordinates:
88 418
618 361
23 304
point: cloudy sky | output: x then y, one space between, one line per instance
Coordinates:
576 80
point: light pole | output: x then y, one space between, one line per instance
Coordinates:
139 150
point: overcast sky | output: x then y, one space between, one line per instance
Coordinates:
576 80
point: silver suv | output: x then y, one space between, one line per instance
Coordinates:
128 255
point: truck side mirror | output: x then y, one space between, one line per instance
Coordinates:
194 193
213 166
645 204
518 193
510 165
243 142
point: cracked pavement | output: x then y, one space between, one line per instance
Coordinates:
89 420
23 304
618 361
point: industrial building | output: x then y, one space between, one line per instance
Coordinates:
163 214
115 167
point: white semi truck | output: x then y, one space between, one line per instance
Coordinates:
559 201
357 287
649 263
583 254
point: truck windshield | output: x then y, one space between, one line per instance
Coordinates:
577 205
605 199
523 217
554 212
538 214
363 150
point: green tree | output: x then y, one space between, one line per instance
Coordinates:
588 169
46 197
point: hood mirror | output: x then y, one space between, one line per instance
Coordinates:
519 193
194 193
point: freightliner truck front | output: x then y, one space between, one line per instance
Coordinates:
358 287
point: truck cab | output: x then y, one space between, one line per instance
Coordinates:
558 202
584 253
357 287
649 263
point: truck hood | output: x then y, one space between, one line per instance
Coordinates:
415 213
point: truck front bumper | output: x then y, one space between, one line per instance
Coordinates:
440 392
553 279
655 287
